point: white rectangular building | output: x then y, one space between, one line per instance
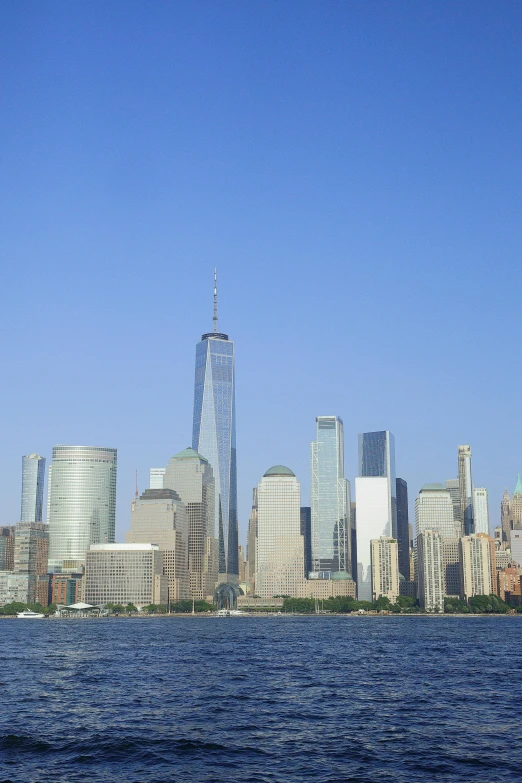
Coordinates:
373 521
481 510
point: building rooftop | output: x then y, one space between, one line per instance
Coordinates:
189 454
433 487
279 470
160 494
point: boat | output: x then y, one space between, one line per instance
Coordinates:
27 614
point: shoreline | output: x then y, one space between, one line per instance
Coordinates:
204 616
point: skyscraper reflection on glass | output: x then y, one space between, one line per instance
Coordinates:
330 494
377 458
214 436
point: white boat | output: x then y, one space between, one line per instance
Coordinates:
27 614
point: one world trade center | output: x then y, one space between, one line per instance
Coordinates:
214 437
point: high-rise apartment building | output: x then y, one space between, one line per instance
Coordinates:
403 528
466 491
125 573
158 517
375 491
31 549
429 551
82 505
6 548
434 511
280 545
385 568
481 510
214 436
330 501
190 475
33 477
477 566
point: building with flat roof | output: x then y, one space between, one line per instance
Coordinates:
125 573
33 477
429 552
385 568
477 566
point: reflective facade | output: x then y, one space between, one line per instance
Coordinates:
33 477
330 501
214 436
82 504
403 533
434 511
377 458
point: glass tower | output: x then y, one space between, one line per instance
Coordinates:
330 495
82 505
33 477
214 436
467 517
377 458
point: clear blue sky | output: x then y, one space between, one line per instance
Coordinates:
353 169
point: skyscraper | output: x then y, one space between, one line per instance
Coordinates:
478 567
214 436
280 545
376 502
434 511
466 491
330 495
82 505
33 477
430 571
385 568
31 549
403 531
190 475
481 510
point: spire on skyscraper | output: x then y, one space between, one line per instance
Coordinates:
518 487
215 316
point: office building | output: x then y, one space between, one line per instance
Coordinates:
82 504
31 550
377 459
385 568
15 586
33 477
477 566
6 548
65 589
330 502
430 571
481 510
403 528
511 511
434 511
156 478
505 519
466 491
158 517
373 521
125 573
453 487
451 567
252 545
516 544
280 545
190 476
306 532
214 436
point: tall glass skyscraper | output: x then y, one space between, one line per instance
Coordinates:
330 495
82 504
33 477
377 458
214 436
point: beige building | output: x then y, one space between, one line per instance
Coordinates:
280 545
477 566
190 475
330 588
125 573
429 553
385 568
158 517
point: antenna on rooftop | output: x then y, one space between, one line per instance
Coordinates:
215 316
137 494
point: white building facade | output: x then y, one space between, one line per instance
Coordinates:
481 510
373 521
125 573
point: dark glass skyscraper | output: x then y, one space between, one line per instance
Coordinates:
214 436
33 477
403 532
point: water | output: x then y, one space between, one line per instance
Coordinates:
325 699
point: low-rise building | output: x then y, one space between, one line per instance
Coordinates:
125 573
509 583
330 588
15 587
